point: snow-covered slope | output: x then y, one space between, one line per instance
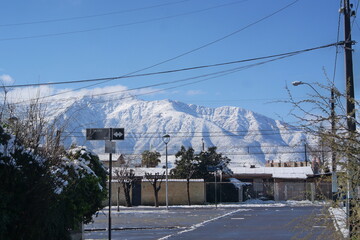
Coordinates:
244 136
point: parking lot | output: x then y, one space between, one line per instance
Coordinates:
208 222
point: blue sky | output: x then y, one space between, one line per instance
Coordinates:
52 41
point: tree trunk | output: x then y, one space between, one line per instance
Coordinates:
156 199
156 191
127 187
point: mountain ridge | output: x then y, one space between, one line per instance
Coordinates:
244 136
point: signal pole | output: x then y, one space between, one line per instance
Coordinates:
110 182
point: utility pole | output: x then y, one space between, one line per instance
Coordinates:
350 103
349 74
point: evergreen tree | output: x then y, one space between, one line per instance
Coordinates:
40 200
211 158
150 159
186 166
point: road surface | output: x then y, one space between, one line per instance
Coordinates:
309 222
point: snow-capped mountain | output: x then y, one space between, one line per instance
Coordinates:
242 135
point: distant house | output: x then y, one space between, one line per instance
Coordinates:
250 173
277 182
284 183
117 160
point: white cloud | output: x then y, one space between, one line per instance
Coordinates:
43 93
15 95
6 79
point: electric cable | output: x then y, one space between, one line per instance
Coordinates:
90 16
196 49
218 74
117 25
337 46
174 70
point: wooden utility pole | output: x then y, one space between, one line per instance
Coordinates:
349 74
350 99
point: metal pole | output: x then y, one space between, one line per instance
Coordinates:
334 186
306 159
166 169
220 186
215 191
110 179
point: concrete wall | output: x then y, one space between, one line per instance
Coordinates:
177 193
282 190
117 191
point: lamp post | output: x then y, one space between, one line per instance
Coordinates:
334 187
166 139
297 83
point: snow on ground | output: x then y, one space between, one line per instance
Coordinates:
248 203
340 221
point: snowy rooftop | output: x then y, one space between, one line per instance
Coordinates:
238 169
275 172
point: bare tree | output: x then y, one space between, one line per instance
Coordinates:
36 125
155 180
325 117
126 177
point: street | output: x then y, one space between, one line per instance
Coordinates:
289 222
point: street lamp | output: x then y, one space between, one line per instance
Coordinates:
297 83
333 131
166 139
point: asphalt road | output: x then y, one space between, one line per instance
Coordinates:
223 223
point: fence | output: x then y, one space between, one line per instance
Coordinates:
278 191
209 192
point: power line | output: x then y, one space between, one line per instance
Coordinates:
90 16
130 153
117 25
217 74
337 47
175 70
212 133
222 73
204 134
226 36
203 46
276 150
191 51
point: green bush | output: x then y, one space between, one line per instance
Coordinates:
43 200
